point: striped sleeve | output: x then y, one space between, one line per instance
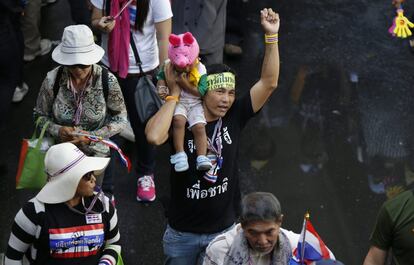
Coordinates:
112 247
23 233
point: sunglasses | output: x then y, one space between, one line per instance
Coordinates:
88 176
80 66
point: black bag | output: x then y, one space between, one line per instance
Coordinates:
147 100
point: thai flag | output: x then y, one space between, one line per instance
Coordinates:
311 246
124 159
76 242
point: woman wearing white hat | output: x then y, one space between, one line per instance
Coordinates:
81 96
66 223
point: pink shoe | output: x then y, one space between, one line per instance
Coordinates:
146 189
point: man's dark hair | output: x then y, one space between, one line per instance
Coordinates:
219 68
260 206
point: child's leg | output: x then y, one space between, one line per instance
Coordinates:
179 122
200 138
180 158
197 123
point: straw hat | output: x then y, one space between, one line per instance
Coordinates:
77 47
65 165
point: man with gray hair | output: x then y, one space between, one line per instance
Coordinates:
258 239
254 240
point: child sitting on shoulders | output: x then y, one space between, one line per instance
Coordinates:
183 51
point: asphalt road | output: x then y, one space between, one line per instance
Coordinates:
351 35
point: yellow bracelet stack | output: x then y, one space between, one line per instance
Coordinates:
174 98
271 39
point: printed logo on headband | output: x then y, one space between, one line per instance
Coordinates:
222 80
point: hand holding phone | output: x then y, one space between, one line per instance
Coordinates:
109 19
106 24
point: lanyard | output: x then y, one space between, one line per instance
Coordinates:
214 144
89 209
78 96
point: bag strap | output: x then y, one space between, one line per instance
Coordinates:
135 50
35 130
42 133
105 82
56 86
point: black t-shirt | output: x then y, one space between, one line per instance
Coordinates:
73 238
198 205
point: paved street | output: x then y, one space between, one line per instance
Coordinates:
278 146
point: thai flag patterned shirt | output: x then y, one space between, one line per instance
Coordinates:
57 234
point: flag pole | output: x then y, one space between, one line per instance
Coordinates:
86 135
302 251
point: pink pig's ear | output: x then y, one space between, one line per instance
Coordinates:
188 38
174 40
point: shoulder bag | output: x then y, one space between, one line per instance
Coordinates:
147 100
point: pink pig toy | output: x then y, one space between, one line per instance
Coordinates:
183 49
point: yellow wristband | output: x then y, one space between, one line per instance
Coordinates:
175 98
273 38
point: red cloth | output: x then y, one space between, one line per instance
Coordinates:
118 43
22 158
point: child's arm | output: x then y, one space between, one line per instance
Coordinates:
162 88
159 125
184 83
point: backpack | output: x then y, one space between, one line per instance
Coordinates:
104 76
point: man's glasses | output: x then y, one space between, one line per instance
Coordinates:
80 66
88 176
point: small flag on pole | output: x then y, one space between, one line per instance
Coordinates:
124 159
310 247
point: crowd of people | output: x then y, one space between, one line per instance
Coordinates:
179 45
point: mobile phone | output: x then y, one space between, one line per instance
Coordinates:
109 19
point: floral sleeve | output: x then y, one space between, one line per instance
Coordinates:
116 117
44 105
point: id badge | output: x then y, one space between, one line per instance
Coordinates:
93 218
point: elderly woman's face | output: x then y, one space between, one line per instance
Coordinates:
79 71
86 185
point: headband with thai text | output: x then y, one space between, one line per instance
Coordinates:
225 80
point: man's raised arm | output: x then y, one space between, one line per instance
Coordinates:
267 83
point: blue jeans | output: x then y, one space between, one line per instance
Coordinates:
183 248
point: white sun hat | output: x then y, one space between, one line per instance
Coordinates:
77 47
65 165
